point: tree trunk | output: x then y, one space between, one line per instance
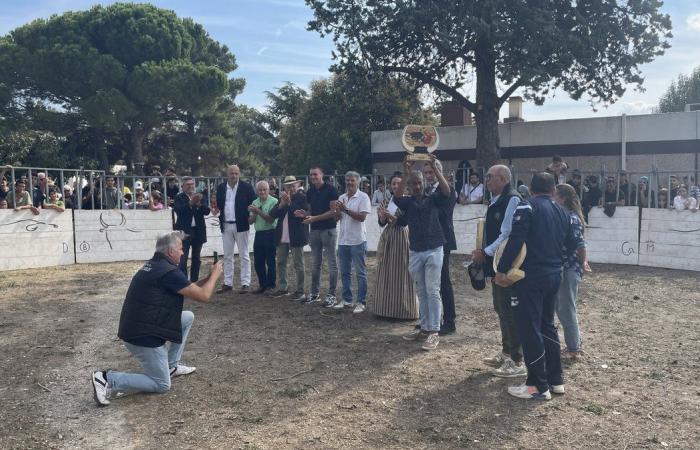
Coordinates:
137 137
488 150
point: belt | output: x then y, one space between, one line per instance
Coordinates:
231 222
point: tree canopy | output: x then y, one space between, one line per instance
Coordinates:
684 90
121 71
592 48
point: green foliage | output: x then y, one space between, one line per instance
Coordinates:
686 89
591 48
125 71
332 127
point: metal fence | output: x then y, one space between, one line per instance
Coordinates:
93 189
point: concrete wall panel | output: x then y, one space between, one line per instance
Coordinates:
670 239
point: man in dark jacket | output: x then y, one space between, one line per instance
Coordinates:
151 316
291 235
545 228
446 210
191 210
233 199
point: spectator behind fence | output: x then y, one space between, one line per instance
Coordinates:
68 197
662 202
627 189
683 201
381 195
53 202
576 183
112 194
40 190
674 184
156 201
472 192
171 189
264 250
647 198
366 187
558 169
139 202
20 199
611 196
3 203
92 194
4 188
274 190
138 187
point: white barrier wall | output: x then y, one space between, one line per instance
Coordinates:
613 240
670 239
214 242
36 241
118 235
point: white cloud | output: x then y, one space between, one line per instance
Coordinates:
693 22
278 32
261 51
284 69
638 107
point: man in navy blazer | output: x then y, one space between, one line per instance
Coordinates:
233 198
191 210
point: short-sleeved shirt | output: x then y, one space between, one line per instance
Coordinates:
174 281
58 203
351 231
423 218
319 200
571 260
260 223
24 199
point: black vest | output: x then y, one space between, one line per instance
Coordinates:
494 220
149 309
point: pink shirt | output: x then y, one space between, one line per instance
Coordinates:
285 230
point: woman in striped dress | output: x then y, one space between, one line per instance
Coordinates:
393 289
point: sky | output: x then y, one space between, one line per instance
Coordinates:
272 46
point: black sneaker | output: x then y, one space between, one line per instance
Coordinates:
329 302
311 299
446 329
297 297
259 290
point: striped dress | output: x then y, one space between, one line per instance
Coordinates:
394 296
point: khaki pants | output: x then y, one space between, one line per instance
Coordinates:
298 263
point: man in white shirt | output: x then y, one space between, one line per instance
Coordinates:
353 206
472 192
381 195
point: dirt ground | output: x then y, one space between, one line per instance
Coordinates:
275 374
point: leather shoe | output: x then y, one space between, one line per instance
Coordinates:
259 290
224 288
244 289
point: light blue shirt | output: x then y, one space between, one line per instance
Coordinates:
506 226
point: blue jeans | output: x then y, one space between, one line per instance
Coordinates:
566 309
349 256
426 269
156 363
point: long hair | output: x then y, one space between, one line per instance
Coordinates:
571 201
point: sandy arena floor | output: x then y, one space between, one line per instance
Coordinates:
274 374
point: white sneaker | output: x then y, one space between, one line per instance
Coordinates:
360 308
180 370
557 389
100 388
510 370
340 305
529 392
496 361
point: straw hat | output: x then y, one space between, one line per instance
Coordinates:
290 180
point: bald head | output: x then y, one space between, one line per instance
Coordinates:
497 178
234 173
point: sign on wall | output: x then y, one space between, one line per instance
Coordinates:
36 240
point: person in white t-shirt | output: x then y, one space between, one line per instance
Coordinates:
472 192
381 196
353 208
683 201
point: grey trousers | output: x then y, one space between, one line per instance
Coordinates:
283 251
323 241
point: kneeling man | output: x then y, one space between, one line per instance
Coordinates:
153 325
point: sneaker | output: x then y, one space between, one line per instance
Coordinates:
447 329
340 305
224 288
312 298
571 356
359 309
529 392
329 301
415 335
259 290
510 370
244 289
496 361
100 388
298 296
180 370
557 389
431 342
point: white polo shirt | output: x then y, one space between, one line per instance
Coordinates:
351 231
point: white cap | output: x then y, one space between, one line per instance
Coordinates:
67 188
138 185
155 180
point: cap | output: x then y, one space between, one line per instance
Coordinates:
138 185
155 180
476 276
67 188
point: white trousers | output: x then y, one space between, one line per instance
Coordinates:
232 239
